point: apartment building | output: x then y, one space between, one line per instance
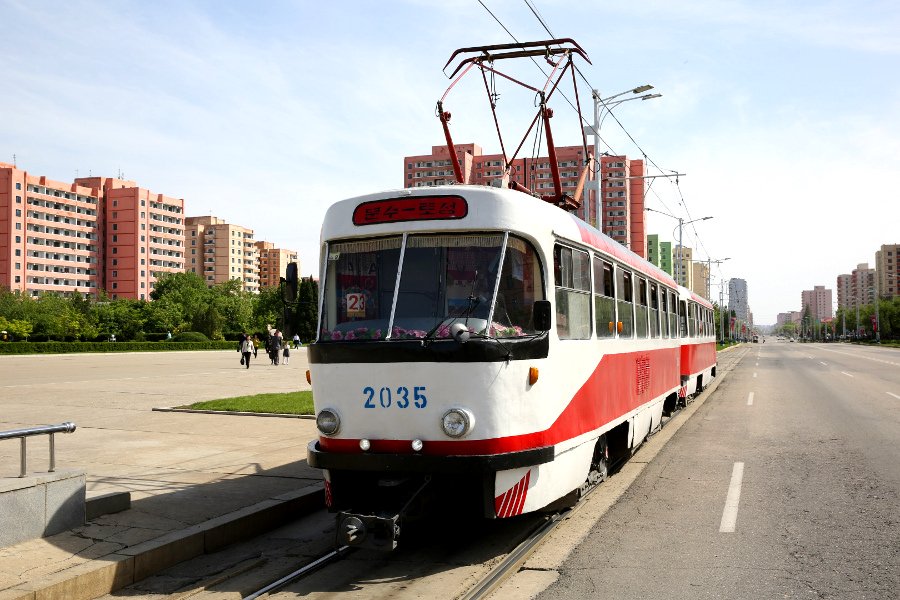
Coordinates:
220 251
886 270
49 235
700 275
819 302
738 300
862 285
143 236
622 207
273 263
843 291
682 261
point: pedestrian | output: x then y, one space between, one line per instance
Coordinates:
287 353
296 341
246 351
276 347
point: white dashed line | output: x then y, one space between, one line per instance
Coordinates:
729 514
754 374
750 399
894 395
846 373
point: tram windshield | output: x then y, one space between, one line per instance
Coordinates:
443 279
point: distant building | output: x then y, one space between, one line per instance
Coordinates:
844 299
273 263
700 284
819 302
221 251
738 300
886 270
682 261
622 210
862 285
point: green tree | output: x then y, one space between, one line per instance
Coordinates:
267 309
306 314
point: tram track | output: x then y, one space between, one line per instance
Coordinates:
368 572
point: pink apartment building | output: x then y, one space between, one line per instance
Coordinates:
49 235
273 263
144 236
622 190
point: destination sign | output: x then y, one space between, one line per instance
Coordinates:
397 210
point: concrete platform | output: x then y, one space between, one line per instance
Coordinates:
197 482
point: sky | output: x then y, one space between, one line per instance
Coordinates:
783 117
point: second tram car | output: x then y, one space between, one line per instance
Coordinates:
485 351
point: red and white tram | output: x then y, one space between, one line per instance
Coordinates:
481 346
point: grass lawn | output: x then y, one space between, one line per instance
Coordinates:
292 403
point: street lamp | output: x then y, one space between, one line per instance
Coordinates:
594 130
681 223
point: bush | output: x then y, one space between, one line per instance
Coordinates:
190 336
67 347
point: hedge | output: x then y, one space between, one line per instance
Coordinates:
66 347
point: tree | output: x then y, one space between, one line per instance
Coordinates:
306 314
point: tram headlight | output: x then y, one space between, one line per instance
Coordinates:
457 422
328 421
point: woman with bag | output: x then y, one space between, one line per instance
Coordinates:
246 351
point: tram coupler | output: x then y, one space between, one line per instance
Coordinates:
368 531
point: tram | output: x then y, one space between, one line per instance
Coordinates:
484 352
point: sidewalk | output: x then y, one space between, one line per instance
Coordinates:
197 481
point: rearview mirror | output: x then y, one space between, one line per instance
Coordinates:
541 315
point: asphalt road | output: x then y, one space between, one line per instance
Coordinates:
785 484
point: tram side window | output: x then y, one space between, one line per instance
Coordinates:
641 309
673 315
664 312
683 319
692 319
624 295
654 310
604 299
572 274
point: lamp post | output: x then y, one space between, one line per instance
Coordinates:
594 130
681 223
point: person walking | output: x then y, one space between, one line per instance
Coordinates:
287 353
276 347
296 341
247 350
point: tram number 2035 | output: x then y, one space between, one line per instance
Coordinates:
402 398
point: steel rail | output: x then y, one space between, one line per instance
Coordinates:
23 434
301 572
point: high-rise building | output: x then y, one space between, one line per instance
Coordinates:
700 275
843 291
683 259
738 300
886 270
49 235
143 236
622 206
653 249
221 251
273 263
862 285
819 302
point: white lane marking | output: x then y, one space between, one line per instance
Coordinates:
887 362
894 395
757 363
846 373
824 364
729 514
754 374
750 399
808 356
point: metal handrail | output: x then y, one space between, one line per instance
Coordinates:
22 434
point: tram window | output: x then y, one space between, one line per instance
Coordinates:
673 315
664 312
683 319
654 310
604 299
624 293
359 288
521 283
692 319
641 309
572 273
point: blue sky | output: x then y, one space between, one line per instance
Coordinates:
785 117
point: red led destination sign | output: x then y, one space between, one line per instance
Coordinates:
397 210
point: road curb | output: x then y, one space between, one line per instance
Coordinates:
126 566
232 412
